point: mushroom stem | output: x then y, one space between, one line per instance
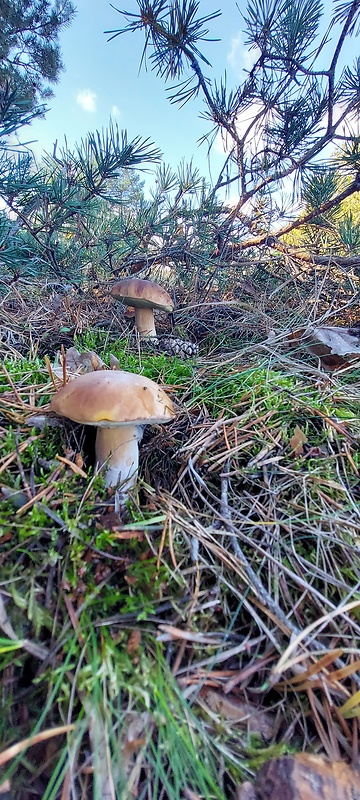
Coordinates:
145 322
118 449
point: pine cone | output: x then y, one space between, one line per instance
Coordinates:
179 347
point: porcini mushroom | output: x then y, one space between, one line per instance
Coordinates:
120 404
144 296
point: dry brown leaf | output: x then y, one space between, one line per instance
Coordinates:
306 777
90 362
79 461
76 363
137 728
297 441
110 520
339 341
133 642
72 359
114 362
131 580
133 746
230 708
333 345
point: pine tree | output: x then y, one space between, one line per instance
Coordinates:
295 105
63 217
30 58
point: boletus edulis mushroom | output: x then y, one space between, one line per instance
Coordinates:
119 404
144 296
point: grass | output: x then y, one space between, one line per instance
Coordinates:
216 623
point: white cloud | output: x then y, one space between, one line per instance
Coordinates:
223 142
255 138
115 111
250 57
240 57
233 54
350 125
87 100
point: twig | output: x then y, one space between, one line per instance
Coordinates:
19 747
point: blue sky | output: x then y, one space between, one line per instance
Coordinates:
102 78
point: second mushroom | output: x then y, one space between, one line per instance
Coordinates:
144 296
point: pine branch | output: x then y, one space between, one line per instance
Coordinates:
320 210
331 90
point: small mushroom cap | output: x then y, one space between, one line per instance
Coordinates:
142 294
112 398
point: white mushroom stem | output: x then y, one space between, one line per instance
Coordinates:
118 449
145 322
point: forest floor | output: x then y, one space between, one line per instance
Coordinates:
170 650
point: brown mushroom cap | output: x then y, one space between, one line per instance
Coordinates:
142 294
113 398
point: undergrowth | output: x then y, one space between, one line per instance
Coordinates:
175 648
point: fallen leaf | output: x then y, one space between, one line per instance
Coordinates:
131 747
339 341
306 777
133 642
230 708
109 520
333 345
79 461
317 451
297 441
90 362
114 362
72 359
139 535
136 730
77 363
131 580
102 573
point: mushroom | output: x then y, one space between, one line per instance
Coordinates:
120 404
144 296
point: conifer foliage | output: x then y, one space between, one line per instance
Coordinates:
61 216
30 58
291 124
294 107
